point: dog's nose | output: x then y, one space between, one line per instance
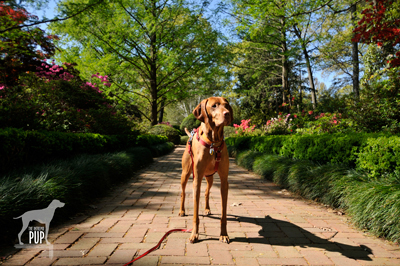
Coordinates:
226 113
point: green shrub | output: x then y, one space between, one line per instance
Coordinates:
21 147
161 149
168 131
190 122
184 139
229 131
380 156
338 148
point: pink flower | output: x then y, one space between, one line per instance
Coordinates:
2 86
310 112
107 84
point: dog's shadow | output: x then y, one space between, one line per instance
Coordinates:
282 233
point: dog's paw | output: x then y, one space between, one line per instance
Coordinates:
224 239
193 238
207 212
181 213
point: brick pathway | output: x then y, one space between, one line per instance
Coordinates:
267 226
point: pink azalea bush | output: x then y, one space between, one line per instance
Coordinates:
279 125
244 128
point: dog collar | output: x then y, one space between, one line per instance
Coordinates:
205 141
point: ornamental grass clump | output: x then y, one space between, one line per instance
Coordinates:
372 204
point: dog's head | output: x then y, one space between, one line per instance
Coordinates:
214 110
57 204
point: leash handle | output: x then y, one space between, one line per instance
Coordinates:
158 245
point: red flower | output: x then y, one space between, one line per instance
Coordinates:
310 112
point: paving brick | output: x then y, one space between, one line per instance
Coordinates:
41 261
63 253
315 257
221 257
281 261
85 243
68 238
121 256
198 250
344 261
185 260
287 252
102 250
80 261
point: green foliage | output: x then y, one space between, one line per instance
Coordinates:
184 140
161 149
229 131
335 148
26 147
190 122
327 123
164 130
378 108
372 205
156 52
246 159
75 181
380 156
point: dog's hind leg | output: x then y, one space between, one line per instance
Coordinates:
25 224
47 232
186 171
210 180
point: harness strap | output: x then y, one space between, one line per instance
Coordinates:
218 150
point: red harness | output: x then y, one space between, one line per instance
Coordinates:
213 149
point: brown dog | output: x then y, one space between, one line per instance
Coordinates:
214 113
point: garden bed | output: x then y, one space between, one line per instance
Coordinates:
77 181
367 188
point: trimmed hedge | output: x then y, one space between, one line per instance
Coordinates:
171 133
190 122
76 181
377 153
373 205
25 147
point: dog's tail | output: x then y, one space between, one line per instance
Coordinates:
17 217
187 132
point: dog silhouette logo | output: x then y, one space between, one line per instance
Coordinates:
43 216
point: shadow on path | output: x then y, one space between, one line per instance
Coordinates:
282 233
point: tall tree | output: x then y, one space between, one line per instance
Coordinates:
153 50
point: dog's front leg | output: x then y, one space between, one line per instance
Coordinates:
224 202
196 201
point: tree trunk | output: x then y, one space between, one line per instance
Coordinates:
153 82
310 79
285 65
309 70
354 54
161 113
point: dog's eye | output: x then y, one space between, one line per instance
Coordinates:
214 105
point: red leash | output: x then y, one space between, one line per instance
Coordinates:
159 243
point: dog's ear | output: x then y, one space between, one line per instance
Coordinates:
200 112
231 112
